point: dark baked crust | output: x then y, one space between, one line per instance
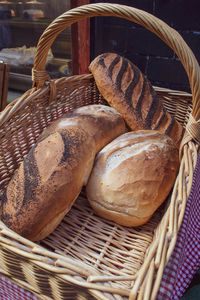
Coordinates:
47 182
51 176
102 122
126 89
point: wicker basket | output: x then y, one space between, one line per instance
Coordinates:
87 257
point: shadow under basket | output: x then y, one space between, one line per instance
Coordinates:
88 257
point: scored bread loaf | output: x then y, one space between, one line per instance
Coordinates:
47 183
126 89
51 176
132 176
102 122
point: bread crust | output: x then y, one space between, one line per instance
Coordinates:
132 176
53 173
48 182
102 122
126 89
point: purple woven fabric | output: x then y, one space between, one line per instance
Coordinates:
185 259
11 291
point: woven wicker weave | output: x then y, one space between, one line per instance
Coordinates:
87 257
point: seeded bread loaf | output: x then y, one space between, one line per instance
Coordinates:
102 122
47 183
53 173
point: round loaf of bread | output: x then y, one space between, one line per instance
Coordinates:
102 122
47 183
132 176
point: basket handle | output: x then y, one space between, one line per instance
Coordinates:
170 36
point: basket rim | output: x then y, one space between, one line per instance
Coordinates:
50 261
20 102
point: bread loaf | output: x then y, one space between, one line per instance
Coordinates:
126 89
102 122
47 183
132 176
53 173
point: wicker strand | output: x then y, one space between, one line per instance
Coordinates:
52 91
150 280
39 76
193 128
156 284
192 133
